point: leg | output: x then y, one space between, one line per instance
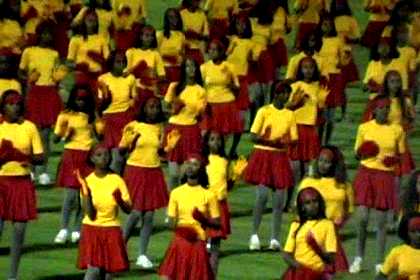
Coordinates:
279 201
45 136
69 202
380 235
363 213
131 223
92 273
146 231
214 254
235 143
19 230
173 170
257 100
329 125
117 161
78 213
1 227
260 202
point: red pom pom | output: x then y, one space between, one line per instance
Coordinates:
390 161
368 149
199 216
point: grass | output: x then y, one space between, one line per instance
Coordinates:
44 260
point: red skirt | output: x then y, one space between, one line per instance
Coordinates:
304 30
114 125
143 95
279 53
337 87
308 146
43 104
224 118
17 199
373 33
173 73
350 72
147 187
302 273
375 189
243 101
225 228
71 161
124 39
102 247
194 54
266 67
219 28
186 260
269 168
189 143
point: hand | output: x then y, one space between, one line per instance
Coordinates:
172 140
33 76
117 196
177 106
84 186
200 217
68 134
267 134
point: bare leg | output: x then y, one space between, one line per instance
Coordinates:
235 143
19 230
146 231
131 223
69 203
92 273
279 201
363 214
260 202
380 235
45 136
214 254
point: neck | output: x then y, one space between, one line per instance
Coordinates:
101 172
278 105
192 181
190 80
11 119
415 245
381 121
217 60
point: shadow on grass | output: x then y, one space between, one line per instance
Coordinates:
40 248
79 276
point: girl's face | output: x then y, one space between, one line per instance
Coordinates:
214 51
91 21
312 41
281 98
240 27
192 167
101 158
324 163
308 69
311 207
403 35
80 102
394 82
414 236
383 50
173 18
12 110
326 26
190 68
215 142
147 38
46 37
120 64
381 114
195 4
152 109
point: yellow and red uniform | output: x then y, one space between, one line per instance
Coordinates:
138 11
196 22
9 84
240 51
403 260
30 61
172 47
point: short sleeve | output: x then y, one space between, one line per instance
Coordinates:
24 61
37 147
330 238
73 48
213 206
105 48
258 122
293 128
349 198
359 138
60 124
124 191
391 262
290 245
401 140
160 66
129 56
170 92
205 26
172 206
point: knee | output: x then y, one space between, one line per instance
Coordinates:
262 194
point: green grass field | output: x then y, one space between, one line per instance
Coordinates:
44 260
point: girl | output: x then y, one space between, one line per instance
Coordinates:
42 88
143 174
330 180
312 243
171 44
75 127
20 147
127 13
274 128
280 27
375 184
102 250
187 101
146 64
117 93
191 209
217 172
222 87
196 29
220 14
402 259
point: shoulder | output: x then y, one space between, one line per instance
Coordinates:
28 125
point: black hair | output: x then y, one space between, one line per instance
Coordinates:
6 12
275 89
316 75
283 4
305 45
342 9
248 28
94 4
82 28
338 168
141 116
393 51
203 178
183 79
167 25
225 42
12 62
139 41
264 12
411 198
206 148
395 18
403 227
89 99
3 101
111 59
46 25
333 31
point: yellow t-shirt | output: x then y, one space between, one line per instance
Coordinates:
331 50
196 22
150 56
414 30
261 36
217 173
184 199
282 122
83 135
311 10
217 9
11 34
391 142
103 200
325 236
31 61
217 79
347 27
123 91
79 48
316 96
279 25
339 198
194 98
25 137
7 84
239 52
376 71
145 153
404 260
172 46
138 10
408 57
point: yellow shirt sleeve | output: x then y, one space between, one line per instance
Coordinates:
290 244
330 239
74 45
391 261
258 122
213 206
61 124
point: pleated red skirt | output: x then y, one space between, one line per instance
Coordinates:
302 273
279 53
308 145
224 118
43 104
173 73
373 33
17 199
350 72
337 87
147 187
102 247
186 260
218 28
269 168
189 143
225 228
375 189
71 161
266 67
304 30
243 101
114 125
